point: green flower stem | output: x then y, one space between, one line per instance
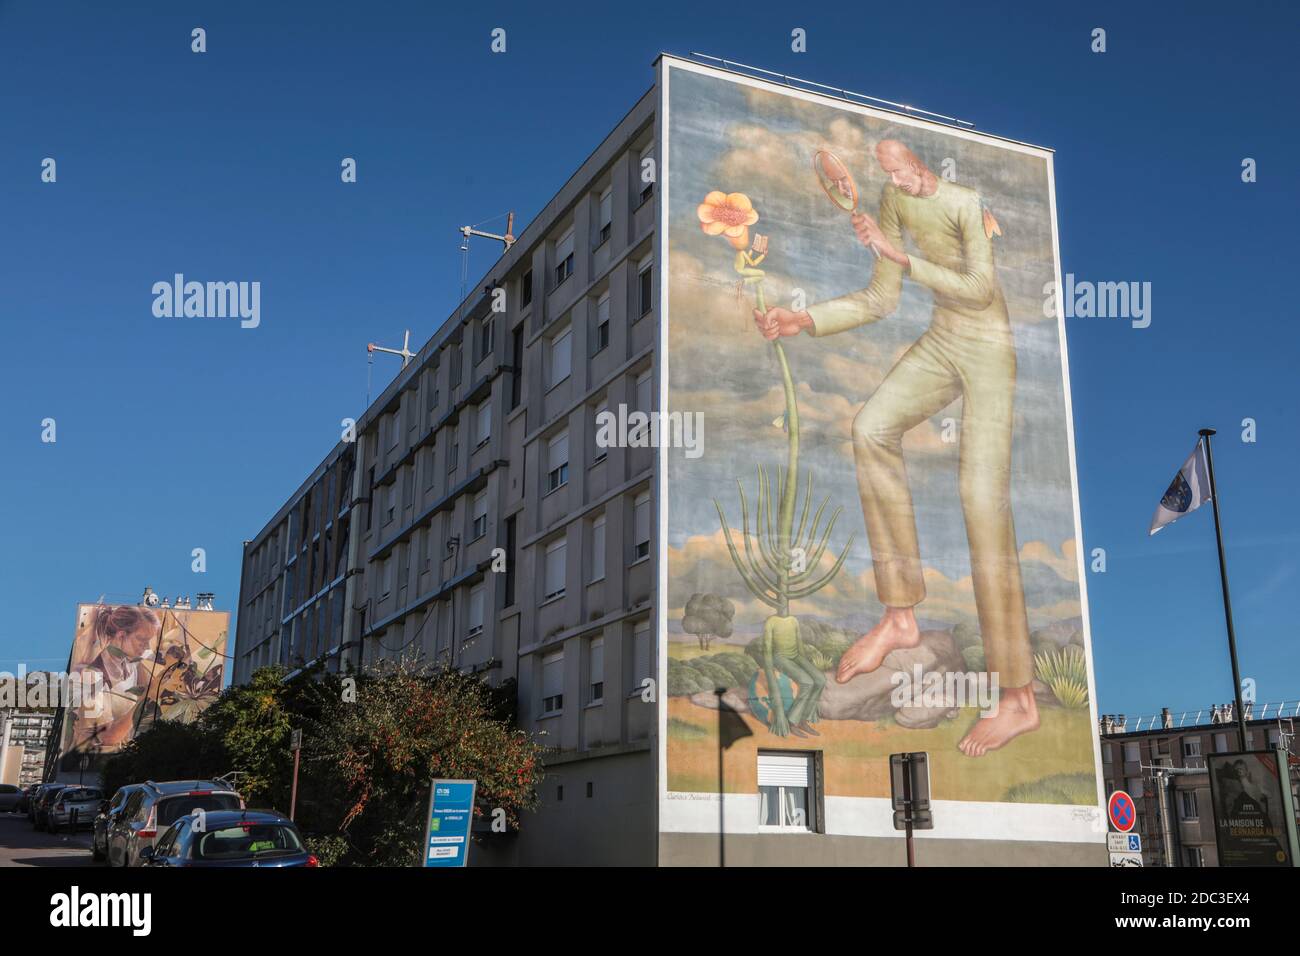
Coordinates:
789 489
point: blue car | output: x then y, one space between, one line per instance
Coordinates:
258 838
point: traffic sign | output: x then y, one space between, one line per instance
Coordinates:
1126 859
446 832
1122 812
1124 842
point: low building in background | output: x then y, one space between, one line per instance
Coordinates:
1159 760
24 736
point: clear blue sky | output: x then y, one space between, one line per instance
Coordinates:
181 434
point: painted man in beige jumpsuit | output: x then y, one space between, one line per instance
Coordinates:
968 352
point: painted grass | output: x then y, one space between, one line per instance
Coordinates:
858 752
682 651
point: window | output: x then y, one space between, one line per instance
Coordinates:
1190 809
641 526
487 338
1193 856
645 289
1132 752
454 370
553 584
393 424
1107 753
1134 787
453 453
644 403
785 787
605 216
1220 743
483 424
596 443
510 561
1192 747
389 567
476 594
526 289
640 658
598 549
596 670
644 169
479 527
390 501
557 462
517 371
561 357
600 340
1274 738
552 683
564 257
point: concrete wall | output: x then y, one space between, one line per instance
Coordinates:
615 826
819 849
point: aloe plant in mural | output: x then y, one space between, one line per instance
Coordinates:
780 563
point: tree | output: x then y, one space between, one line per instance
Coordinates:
254 721
168 750
408 726
708 616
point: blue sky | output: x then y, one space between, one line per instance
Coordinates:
181 434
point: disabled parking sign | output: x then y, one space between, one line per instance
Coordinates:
446 833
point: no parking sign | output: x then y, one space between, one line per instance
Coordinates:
1122 812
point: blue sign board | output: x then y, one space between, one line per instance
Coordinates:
446 832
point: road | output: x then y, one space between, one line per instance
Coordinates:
21 845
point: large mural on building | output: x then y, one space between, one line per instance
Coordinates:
152 663
876 549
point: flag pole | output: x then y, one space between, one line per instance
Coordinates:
1223 578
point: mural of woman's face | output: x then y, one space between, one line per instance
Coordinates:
129 629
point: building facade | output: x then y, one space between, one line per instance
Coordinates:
1163 769
24 736
476 516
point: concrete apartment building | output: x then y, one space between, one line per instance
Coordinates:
474 520
485 441
23 739
1175 815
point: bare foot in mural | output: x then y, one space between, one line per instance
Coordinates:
897 628
1017 714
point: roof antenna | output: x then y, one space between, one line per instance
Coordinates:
466 231
405 351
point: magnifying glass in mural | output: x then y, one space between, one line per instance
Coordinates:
838 184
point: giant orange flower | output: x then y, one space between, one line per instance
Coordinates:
729 215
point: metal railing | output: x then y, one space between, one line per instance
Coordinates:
1212 716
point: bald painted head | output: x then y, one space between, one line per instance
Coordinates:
905 169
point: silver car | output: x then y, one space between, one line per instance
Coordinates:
150 810
82 801
9 797
104 819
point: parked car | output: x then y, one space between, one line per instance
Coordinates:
25 799
83 801
255 838
108 809
35 799
9 797
153 808
43 803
